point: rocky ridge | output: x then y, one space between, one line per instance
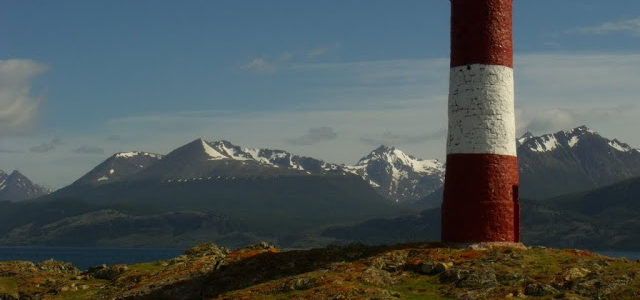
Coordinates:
392 173
119 166
17 187
571 161
405 271
399 176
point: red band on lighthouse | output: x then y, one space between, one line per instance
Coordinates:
481 181
481 32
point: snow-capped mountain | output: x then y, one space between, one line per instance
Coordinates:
392 173
214 160
567 139
275 158
398 176
17 187
573 160
118 167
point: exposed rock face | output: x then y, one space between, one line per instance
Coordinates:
17 187
571 161
107 273
399 176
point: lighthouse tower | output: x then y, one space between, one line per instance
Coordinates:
481 181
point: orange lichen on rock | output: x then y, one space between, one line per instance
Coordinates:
337 272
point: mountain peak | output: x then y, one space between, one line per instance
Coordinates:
525 137
568 139
16 172
16 187
18 176
580 130
223 149
213 153
396 174
383 149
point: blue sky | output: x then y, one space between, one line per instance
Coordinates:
80 80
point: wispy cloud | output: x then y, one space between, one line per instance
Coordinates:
261 64
46 146
391 139
630 26
9 151
314 136
318 52
553 119
271 64
84 149
18 107
403 102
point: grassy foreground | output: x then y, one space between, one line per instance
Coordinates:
406 271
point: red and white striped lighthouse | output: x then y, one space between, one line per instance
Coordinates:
481 181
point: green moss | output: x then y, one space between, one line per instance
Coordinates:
79 295
150 267
8 285
423 287
543 263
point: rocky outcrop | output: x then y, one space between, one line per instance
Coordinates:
420 270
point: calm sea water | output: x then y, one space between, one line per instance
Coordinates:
87 257
84 258
630 255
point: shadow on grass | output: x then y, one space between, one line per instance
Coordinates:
269 266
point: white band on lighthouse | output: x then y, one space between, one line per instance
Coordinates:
481 116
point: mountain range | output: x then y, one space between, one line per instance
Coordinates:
215 190
267 195
573 160
550 165
395 175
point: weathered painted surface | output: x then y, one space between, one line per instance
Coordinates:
481 181
480 198
481 117
481 32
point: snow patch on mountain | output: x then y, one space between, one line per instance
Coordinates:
136 153
545 143
573 141
566 138
3 180
615 144
213 154
397 175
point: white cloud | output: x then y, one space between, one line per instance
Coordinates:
404 102
318 52
556 91
18 107
261 64
314 136
631 26
274 129
400 102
